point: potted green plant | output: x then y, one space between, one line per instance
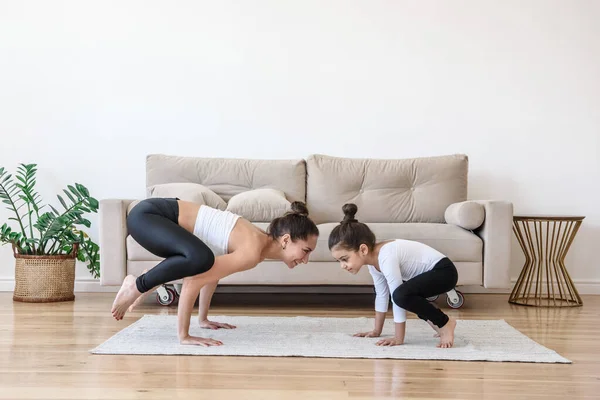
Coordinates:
46 242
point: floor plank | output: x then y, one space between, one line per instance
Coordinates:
44 355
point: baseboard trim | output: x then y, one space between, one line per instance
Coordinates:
584 286
81 286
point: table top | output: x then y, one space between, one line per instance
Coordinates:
547 217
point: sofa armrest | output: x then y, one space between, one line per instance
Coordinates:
496 233
113 233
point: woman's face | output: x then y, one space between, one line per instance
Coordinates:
297 252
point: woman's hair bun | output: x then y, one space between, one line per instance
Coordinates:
299 207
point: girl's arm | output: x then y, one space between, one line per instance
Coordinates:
382 299
379 321
400 331
398 338
390 265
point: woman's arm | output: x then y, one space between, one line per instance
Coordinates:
187 298
206 294
224 265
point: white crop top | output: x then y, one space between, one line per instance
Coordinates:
213 227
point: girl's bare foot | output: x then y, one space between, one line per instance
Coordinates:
447 334
435 328
125 297
140 299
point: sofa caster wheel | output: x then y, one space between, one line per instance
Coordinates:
433 298
165 296
455 299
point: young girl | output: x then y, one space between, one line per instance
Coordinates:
201 245
410 271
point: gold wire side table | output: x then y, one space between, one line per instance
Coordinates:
544 280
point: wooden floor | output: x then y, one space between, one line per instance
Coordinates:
44 355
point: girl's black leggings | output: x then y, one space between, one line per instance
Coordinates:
153 223
412 295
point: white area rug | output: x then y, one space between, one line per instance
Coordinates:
476 340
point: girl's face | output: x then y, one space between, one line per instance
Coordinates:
350 260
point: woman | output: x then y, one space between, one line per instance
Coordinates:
408 270
181 232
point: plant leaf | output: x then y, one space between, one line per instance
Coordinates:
82 189
74 191
62 201
70 196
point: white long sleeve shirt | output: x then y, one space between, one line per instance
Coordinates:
400 261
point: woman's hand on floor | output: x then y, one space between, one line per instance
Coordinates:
206 324
198 341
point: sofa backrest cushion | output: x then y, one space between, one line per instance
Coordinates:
385 190
229 176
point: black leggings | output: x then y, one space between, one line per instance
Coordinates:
153 223
412 294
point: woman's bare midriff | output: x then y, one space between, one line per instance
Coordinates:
243 231
188 212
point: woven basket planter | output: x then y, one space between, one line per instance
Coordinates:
44 279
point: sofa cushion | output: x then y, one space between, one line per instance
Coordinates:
193 192
313 274
131 205
467 214
456 243
135 252
259 205
228 176
409 190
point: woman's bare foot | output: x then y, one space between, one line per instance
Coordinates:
447 334
435 328
125 297
140 299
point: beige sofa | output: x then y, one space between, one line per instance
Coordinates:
423 199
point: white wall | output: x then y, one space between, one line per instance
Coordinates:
88 89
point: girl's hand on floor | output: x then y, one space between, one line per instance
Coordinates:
367 334
198 341
215 325
390 342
